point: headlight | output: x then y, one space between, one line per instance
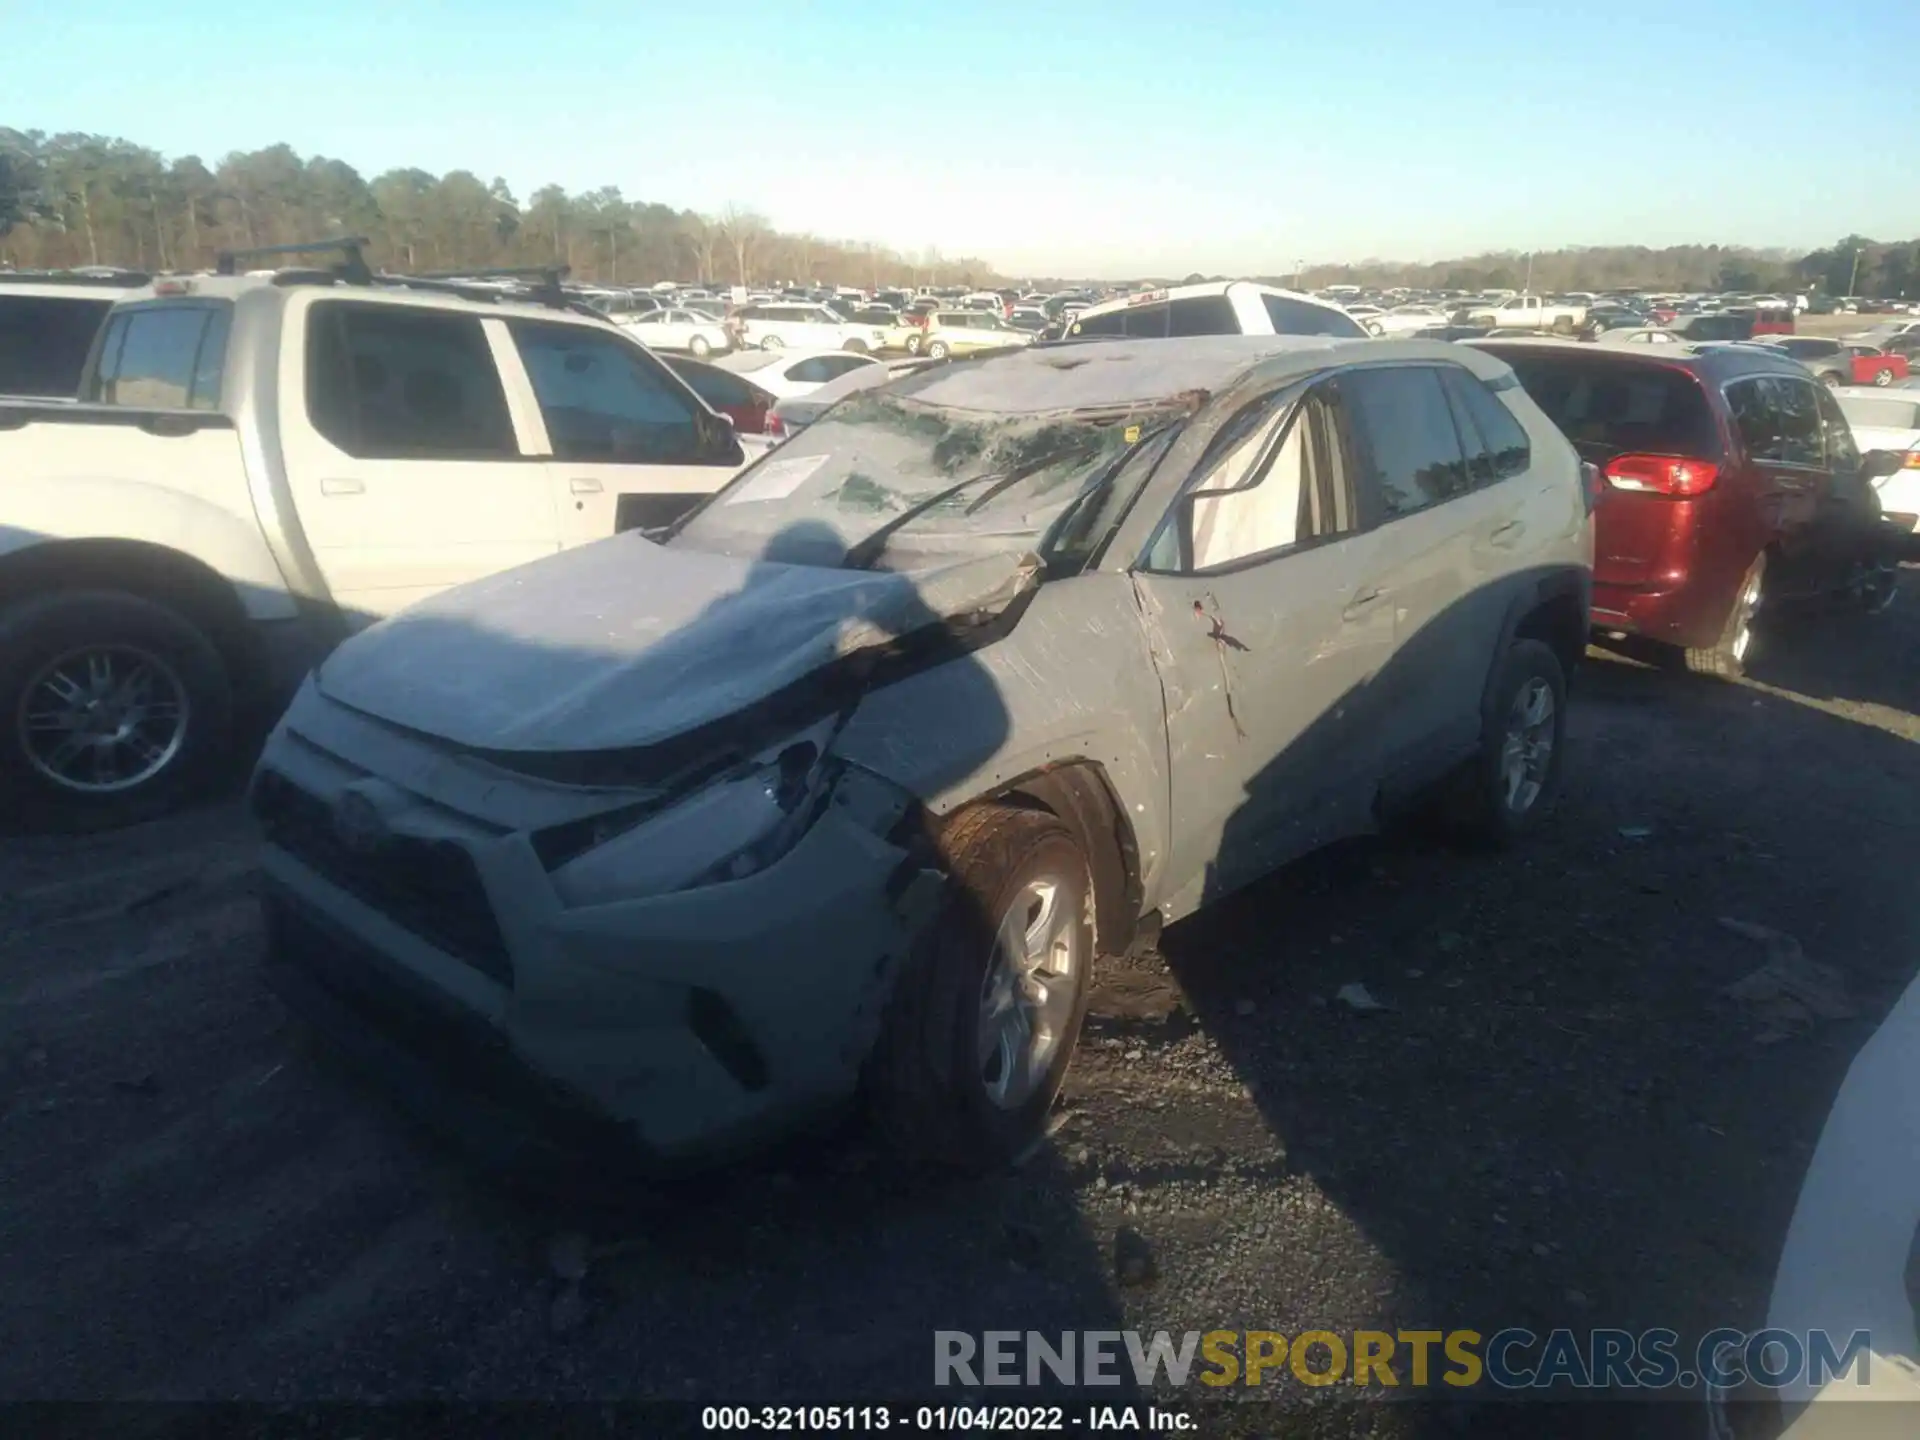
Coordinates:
731 829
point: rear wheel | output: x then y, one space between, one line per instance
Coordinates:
1515 777
116 709
985 1015
773 342
858 347
1831 379
698 347
1883 376
937 350
1727 656
914 343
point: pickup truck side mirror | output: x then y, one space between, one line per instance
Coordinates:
1878 464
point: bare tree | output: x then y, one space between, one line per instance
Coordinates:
744 230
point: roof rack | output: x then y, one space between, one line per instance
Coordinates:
352 267
539 284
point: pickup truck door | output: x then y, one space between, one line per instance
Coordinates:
628 446
402 452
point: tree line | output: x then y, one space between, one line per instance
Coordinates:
1855 265
77 199
74 199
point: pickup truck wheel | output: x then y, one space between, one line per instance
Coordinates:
116 709
984 1016
1514 778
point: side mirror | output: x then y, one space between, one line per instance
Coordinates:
1878 464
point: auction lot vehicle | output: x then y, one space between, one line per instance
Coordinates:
1527 312
258 466
1733 483
1220 307
678 329
744 403
803 327
784 373
47 325
1888 420
968 332
1845 362
841 788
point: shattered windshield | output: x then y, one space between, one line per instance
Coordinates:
875 457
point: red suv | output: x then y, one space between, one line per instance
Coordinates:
1731 477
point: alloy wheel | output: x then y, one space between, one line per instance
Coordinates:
1526 753
102 719
1027 994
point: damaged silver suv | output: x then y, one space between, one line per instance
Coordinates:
840 789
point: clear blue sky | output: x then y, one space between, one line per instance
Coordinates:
1107 139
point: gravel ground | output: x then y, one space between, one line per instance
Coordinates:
1558 1119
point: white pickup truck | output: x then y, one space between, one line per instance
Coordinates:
1527 312
257 466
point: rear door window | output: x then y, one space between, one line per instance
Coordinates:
393 382
1202 315
44 342
167 357
1778 420
603 399
1497 447
1609 408
1410 450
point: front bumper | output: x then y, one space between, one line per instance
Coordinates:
695 1025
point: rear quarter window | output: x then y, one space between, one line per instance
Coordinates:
1298 317
44 340
1646 409
167 357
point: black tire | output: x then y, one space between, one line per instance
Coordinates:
699 347
34 634
1831 379
1726 658
914 342
925 1085
937 350
1482 810
1883 376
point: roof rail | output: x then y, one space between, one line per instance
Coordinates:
119 279
352 267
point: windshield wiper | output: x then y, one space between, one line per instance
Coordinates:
864 551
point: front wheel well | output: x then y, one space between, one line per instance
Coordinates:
1081 796
189 587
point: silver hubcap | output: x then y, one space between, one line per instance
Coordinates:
102 719
1027 996
1527 753
1743 635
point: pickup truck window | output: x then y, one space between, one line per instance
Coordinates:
603 400
391 382
167 357
44 342
1296 317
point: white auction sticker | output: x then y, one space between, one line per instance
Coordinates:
775 480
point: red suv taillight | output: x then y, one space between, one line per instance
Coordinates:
1662 474
775 428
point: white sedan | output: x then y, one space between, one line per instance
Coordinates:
788 373
686 330
1887 419
1406 320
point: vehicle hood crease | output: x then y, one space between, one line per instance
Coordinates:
627 643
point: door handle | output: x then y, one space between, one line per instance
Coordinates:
580 485
346 486
1507 535
1362 603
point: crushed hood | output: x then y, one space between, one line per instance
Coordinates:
625 643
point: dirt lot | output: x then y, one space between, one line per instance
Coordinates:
1559 1118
